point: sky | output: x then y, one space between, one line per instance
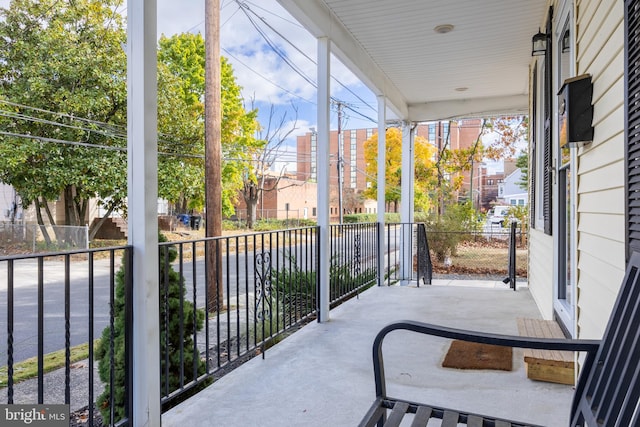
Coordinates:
265 77
263 74
251 33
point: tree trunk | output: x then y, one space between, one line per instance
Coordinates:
70 217
45 233
94 228
252 211
251 195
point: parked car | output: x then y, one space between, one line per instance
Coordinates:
497 214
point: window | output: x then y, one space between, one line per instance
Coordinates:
565 201
314 212
314 144
432 133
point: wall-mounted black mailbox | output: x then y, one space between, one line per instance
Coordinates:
576 112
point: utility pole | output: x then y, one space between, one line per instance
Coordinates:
213 153
340 151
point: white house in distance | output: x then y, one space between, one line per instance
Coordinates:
510 192
10 209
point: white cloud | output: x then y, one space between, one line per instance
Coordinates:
264 76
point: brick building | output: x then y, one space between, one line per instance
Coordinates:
461 134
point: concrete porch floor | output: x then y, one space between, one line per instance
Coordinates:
322 375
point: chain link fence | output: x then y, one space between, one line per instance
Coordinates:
476 254
35 238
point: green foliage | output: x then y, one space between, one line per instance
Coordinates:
346 279
447 231
230 225
66 58
519 214
182 117
389 217
522 162
297 287
359 218
172 304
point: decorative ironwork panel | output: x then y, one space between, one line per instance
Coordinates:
263 285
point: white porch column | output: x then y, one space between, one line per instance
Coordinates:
382 160
323 169
406 201
142 183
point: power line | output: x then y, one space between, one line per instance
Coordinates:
61 141
246 9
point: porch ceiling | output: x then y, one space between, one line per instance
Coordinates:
393 48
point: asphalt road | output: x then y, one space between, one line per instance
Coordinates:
239 278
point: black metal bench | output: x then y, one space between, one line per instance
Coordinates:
607 393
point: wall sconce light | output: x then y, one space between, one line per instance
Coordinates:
539 44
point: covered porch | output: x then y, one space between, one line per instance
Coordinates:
322 375
424 61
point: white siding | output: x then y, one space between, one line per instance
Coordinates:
600 208
541 271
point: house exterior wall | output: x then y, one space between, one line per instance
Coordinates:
601 179
598 174
540 275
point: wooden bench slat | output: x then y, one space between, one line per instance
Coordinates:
422 416
397 413
450 419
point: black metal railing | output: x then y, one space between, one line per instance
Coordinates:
70 298
406 252
490 253
222 301
261 286
354 260
513 257
479 255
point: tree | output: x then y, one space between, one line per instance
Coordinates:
60 61
264 154
451 165
180 145
424 179
506 132
393 167
183 56
522 162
